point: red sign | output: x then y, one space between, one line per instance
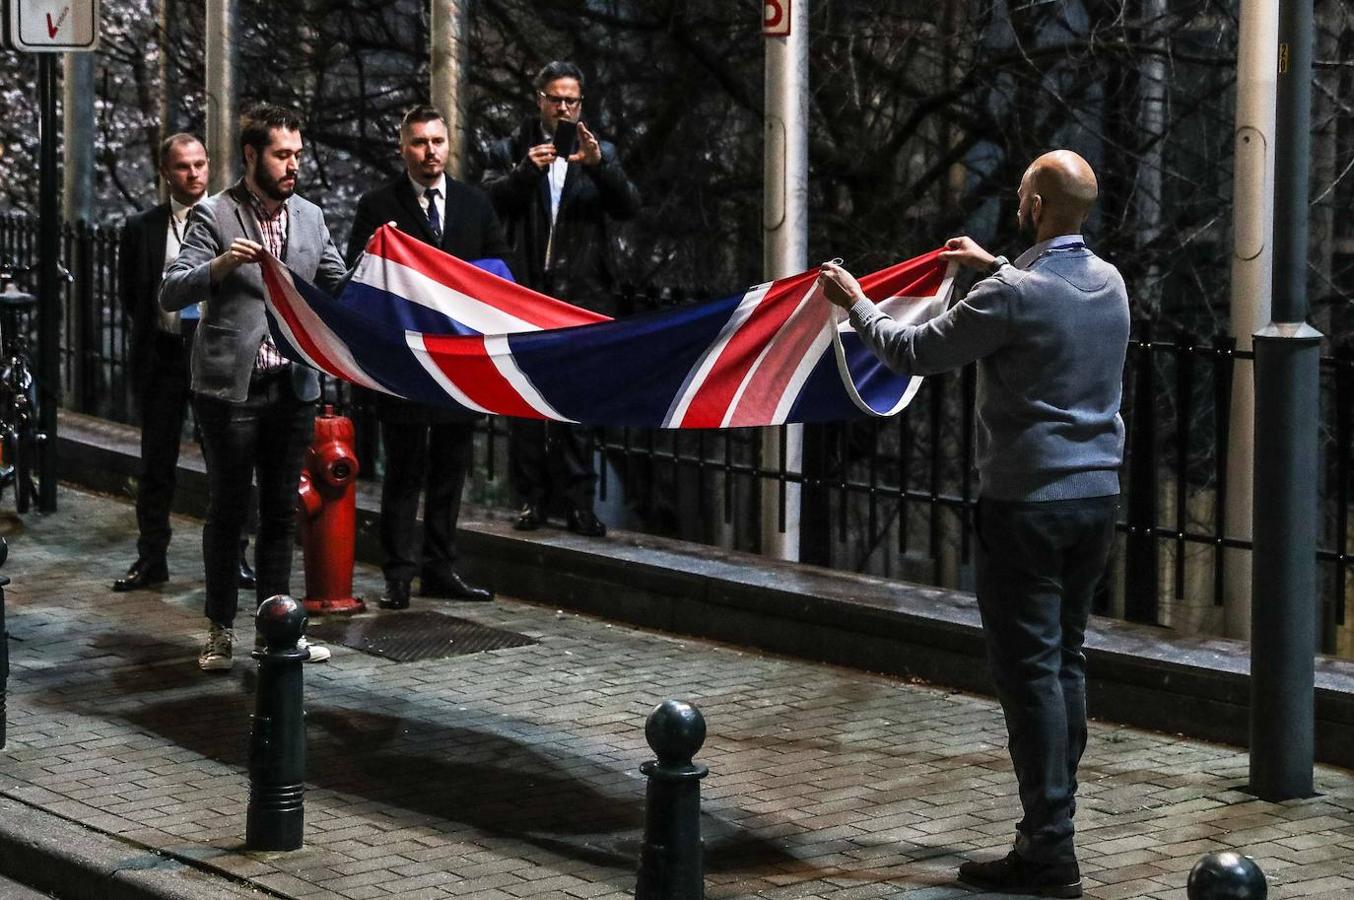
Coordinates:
776 18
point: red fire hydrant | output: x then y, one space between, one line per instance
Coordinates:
326 507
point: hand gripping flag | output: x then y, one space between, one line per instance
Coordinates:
423 325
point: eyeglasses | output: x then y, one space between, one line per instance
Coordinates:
554 100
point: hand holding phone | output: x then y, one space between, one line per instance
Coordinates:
566 138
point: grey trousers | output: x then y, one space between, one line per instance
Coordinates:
1037 567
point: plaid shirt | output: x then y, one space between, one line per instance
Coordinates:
273 228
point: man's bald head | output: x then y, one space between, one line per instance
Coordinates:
1056 195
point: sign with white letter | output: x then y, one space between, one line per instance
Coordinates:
52 26
776 18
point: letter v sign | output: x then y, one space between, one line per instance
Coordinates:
54 27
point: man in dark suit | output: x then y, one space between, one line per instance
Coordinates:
425 448
256 410
159 354
556 211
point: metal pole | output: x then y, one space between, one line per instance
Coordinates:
1287 359
222 114
49 281
1252 280
77 203
785 224
447 76
171 105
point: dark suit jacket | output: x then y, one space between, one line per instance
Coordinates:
582 270
470 231
234 322
141 259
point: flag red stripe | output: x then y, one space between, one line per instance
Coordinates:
307 345
712 400
538 309
466 363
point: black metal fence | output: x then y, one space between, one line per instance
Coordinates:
892 497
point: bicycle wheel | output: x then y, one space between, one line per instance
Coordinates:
26 450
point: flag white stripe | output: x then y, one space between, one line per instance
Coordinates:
701 371
500 354
785 328
414 286
415 341
318 332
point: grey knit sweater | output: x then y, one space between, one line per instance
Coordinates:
1050 334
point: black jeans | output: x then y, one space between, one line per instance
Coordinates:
550 464
264 437
164 406
420 456
1037 567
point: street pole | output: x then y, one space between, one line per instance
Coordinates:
77 208
447 76
785 225
49 281
1287 361
1252 281
222 104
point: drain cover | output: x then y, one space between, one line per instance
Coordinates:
411 636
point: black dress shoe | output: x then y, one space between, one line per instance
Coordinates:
246 574
584 522
453 587
396 595
1013 874
529 519
143 573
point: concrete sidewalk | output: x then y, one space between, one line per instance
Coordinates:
514 773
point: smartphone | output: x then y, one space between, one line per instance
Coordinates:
566 138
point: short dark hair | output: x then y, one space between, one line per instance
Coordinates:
258 121
552 71
174 140
417 115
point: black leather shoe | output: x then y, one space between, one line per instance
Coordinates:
453 587
529 519
584 522
246 574
396 595
143 573
1014 874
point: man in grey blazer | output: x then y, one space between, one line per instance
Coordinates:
1049 333
256 410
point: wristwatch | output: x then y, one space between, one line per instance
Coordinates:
997 263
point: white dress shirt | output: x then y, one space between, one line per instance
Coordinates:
440 200
178 221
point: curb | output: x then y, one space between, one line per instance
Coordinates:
53 854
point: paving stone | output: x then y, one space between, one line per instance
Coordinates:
514 774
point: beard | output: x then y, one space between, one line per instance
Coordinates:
1026 227
270 186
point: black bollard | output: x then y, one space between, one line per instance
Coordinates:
670 862
277 741
4 652
1226 875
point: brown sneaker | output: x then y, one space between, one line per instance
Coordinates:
216 652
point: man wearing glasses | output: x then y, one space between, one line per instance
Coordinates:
554 207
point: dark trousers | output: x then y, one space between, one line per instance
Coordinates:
433 459
164 406
264 438
1037 567
550 464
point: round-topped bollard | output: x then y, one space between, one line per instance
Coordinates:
675 731
670 863
277 739
1226 875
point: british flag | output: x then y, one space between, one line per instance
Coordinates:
419 324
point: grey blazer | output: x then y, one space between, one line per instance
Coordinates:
233 320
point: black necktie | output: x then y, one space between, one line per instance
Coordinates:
434 220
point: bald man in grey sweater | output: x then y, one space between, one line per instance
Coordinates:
1049 333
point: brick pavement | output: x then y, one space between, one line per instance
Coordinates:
513 773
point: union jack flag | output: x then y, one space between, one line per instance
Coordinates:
423 325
